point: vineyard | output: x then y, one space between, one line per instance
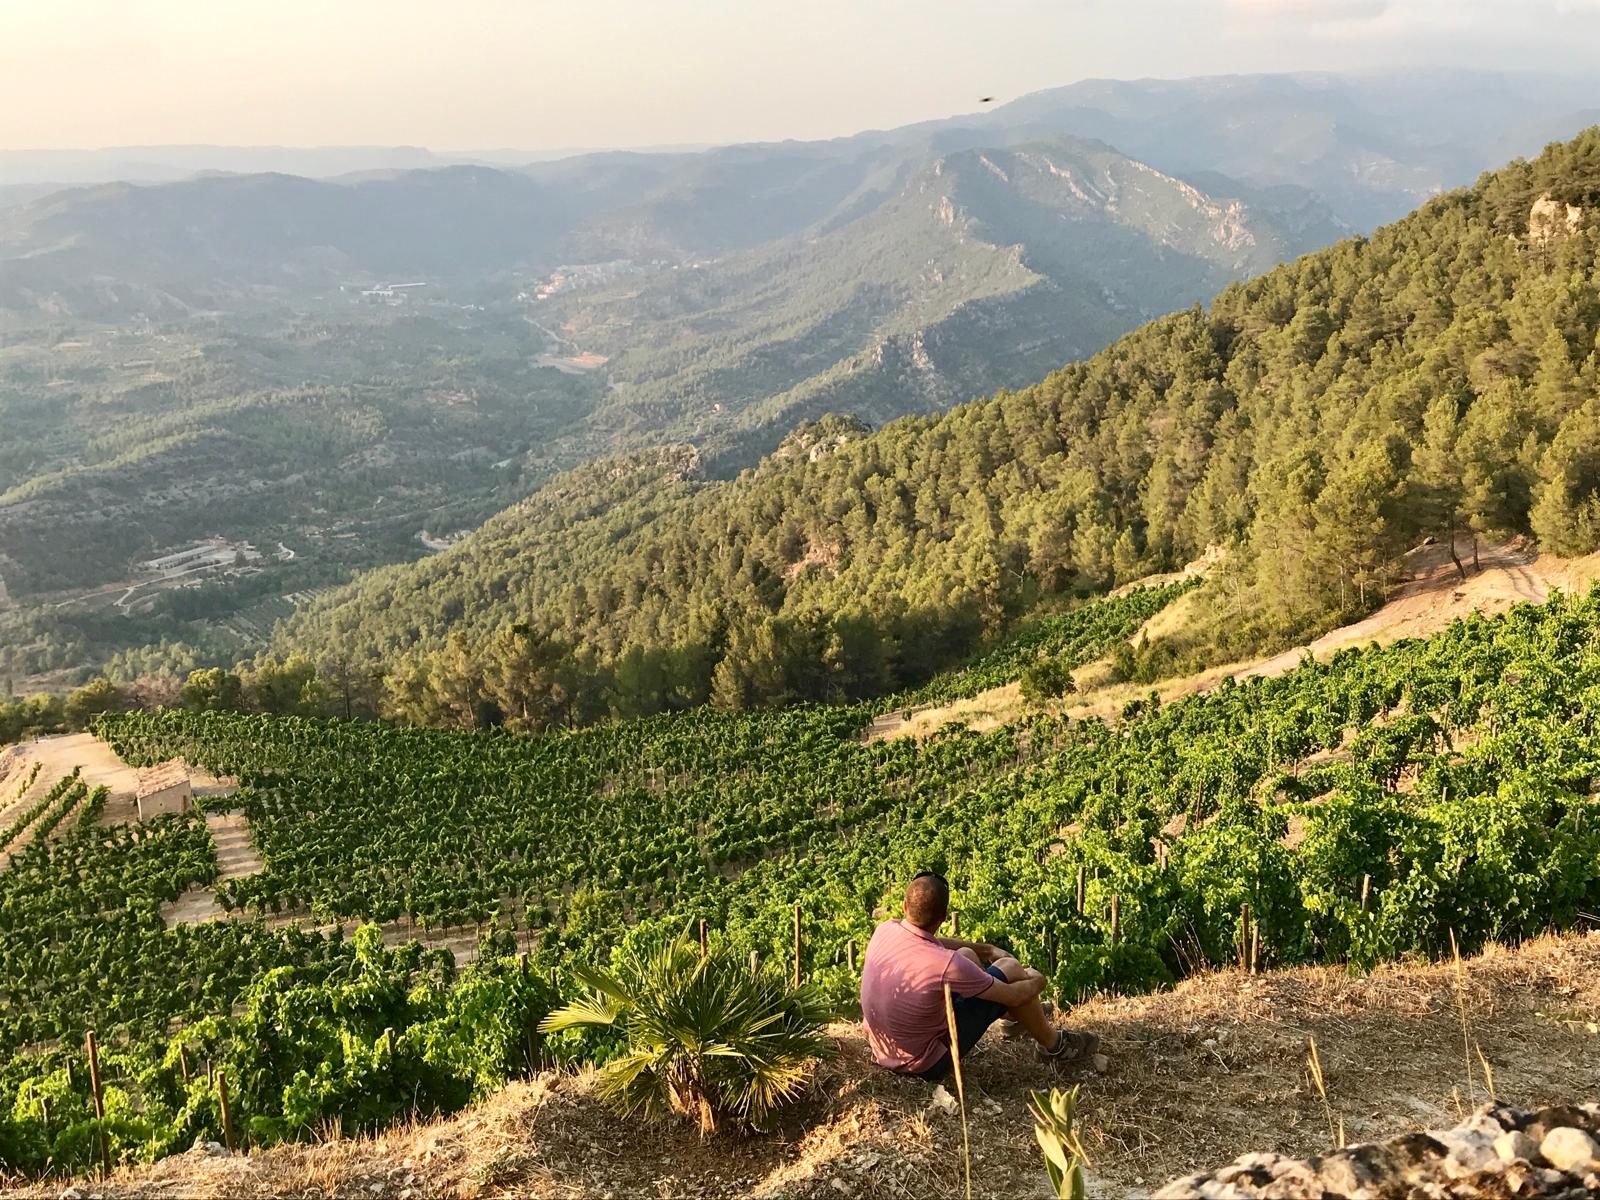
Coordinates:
40 819
1390 801
1072 639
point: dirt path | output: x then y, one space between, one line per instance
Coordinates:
1436 595
197 906
236 859
236 856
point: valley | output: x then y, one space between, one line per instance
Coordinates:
160 336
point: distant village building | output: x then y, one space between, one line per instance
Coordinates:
211 554
164 789
389 293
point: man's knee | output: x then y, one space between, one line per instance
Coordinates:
1010 968
971 955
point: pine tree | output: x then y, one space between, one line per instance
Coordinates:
1566 509
1437 478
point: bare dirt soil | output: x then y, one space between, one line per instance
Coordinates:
1214 1069
1434 596
100 766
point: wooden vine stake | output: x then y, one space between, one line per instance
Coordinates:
1366 891
850 954
702 937
961 1090
93 1052
1116 918
183 1062
1081 882
1244 936
797 945
527 1020
955 924
755 963
227 1116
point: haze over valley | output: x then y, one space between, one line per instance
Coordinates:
396 349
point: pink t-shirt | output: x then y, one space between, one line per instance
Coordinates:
902 995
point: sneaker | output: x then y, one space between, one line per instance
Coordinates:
1071 1049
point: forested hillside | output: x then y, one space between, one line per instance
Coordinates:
335 373
1440 376
988 267
332 427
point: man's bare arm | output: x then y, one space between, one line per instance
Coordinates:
982 949
1012 994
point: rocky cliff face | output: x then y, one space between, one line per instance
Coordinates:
1550 219
1498 1152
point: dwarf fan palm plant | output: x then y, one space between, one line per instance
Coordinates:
705 1037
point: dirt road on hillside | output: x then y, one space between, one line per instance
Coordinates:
1434 596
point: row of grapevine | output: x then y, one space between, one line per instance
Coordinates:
1075 638
62 796
27 782
1378 804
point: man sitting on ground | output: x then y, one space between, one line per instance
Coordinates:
902 991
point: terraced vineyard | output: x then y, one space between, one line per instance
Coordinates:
1383 803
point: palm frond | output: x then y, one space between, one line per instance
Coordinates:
581 1014
706 1038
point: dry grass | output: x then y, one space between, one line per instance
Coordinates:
1199 1075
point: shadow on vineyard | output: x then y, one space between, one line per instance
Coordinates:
1368 808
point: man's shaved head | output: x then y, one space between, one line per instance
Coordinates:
928 901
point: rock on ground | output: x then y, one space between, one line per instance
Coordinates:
1551 1154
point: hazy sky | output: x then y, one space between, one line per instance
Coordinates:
538 74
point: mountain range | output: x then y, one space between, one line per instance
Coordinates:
1437 379
572 310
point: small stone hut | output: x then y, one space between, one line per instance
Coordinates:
164 789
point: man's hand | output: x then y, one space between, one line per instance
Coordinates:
1017 992
989 953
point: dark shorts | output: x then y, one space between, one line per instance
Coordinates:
974 1015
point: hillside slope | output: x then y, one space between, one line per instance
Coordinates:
1320 419
1215 1069
1387 804
1429 600
988 268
